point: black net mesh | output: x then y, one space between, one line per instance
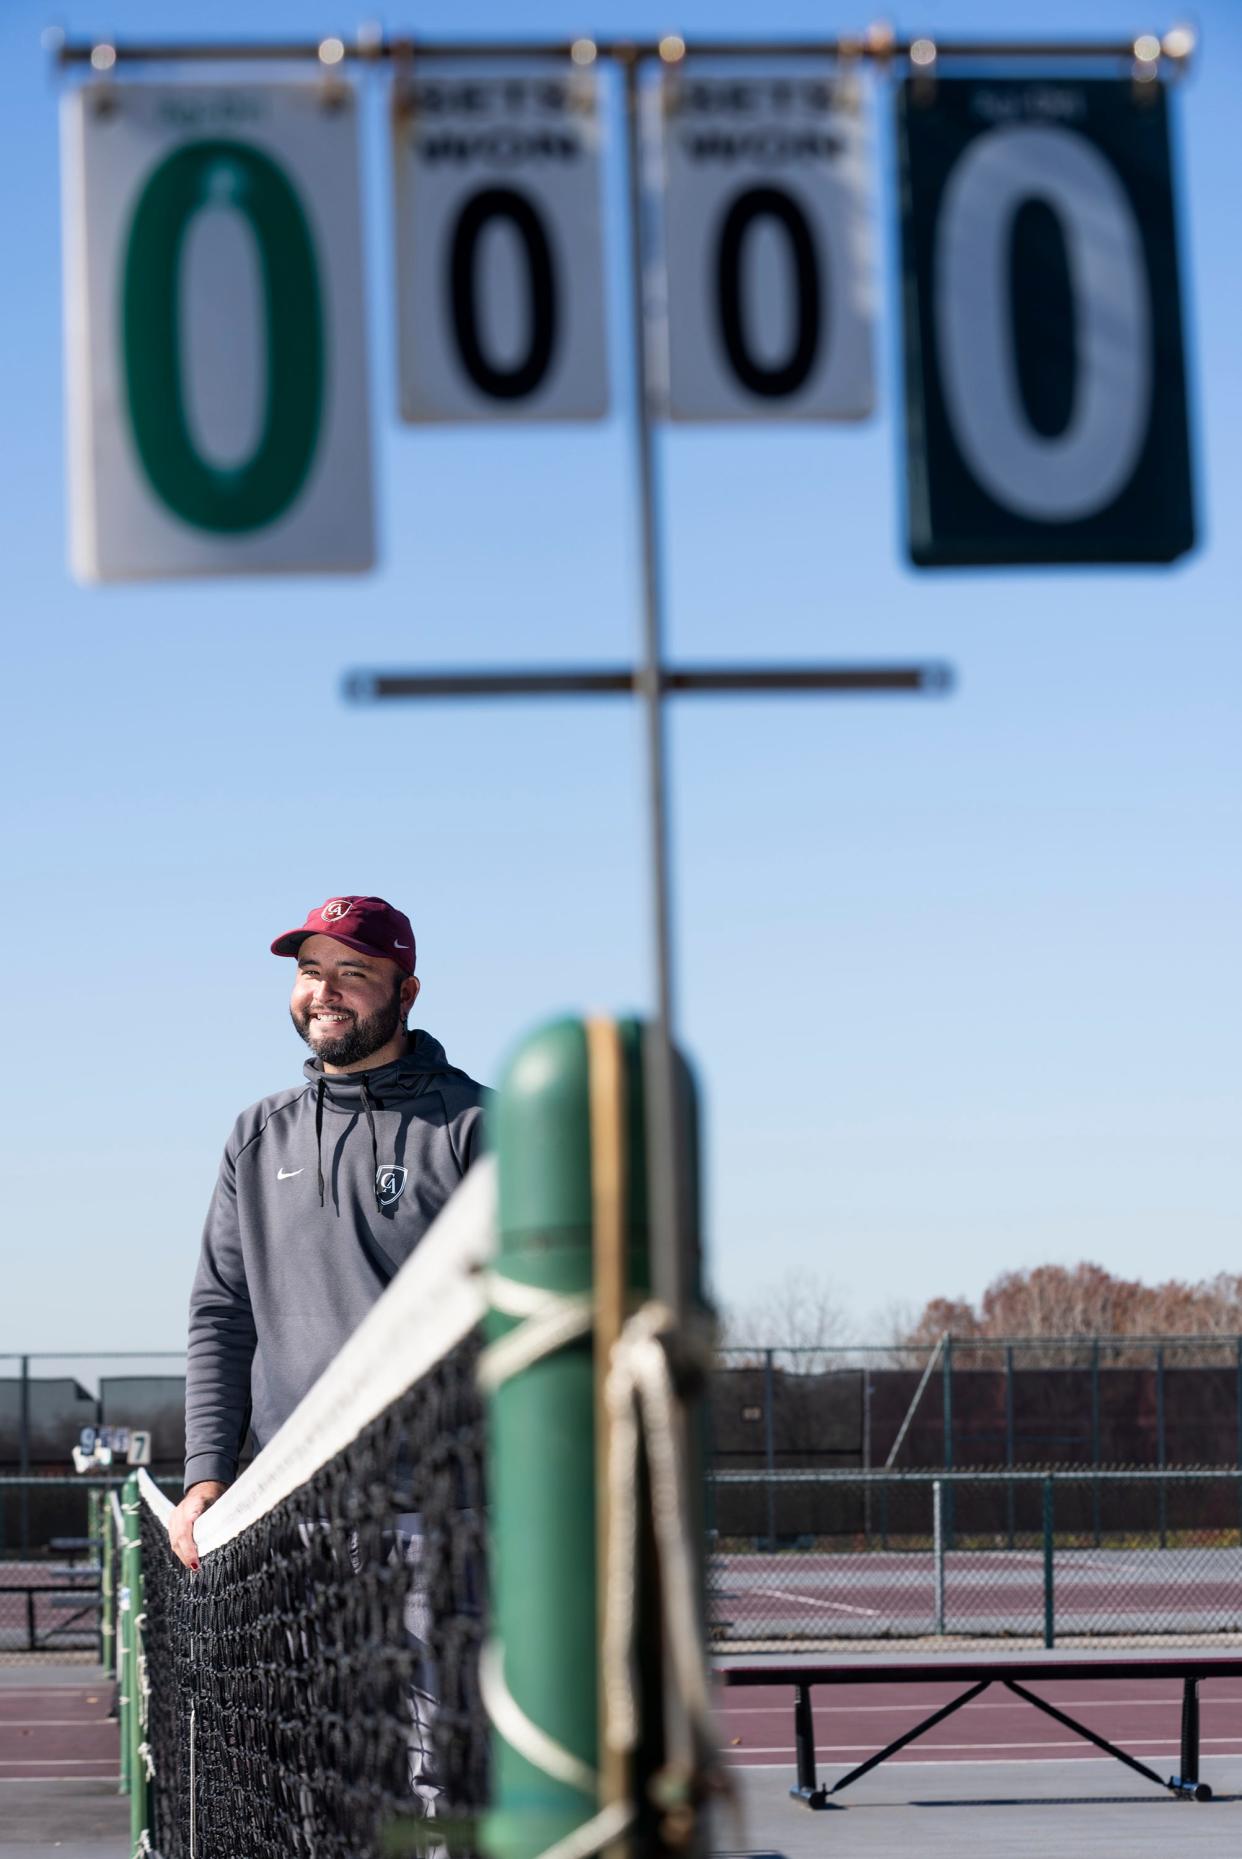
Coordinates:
313 1689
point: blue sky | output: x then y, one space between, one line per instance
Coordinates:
960 977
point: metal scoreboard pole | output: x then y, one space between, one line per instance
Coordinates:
664 1134
651 679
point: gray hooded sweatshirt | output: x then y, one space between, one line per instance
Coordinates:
323 1193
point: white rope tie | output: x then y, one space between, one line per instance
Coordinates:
544 1752
540 1749
551 1320
144 1693
642 1404
594 1834
642 1407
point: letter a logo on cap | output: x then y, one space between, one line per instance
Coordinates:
337 908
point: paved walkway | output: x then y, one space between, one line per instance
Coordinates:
59 1757
73 1820
995 1810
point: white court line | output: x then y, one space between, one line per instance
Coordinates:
806 1600
58 1723
95 1778
46 1762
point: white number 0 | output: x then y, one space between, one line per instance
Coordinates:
1076 473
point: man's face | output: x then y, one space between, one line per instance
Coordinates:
347 1006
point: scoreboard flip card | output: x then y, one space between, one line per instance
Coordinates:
1045 380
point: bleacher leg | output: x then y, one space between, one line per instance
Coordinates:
1187 1782
808 1788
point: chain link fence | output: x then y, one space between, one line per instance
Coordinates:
53 1597
1037 1401
842 1511
940 1559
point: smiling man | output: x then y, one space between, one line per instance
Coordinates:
323 1191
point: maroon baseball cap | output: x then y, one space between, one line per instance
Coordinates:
366 924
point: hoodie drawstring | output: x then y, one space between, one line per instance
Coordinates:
370 1117
319 1136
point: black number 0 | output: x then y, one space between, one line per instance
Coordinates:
790 374
502 203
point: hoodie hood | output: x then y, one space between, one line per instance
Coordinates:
387 1085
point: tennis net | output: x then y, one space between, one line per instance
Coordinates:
314 1686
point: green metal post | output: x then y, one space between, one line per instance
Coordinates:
23 1458
1238 1399
1161 1448
1095 1437
131 1575
947 1371
769 1444
107 1585
1011 1441
542 1432
126 1674
94 1530
1049 1529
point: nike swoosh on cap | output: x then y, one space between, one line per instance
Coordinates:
287 1174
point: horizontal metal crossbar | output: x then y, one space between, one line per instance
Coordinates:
935 1668
86 1481
702 680
1077 1475
878 45
72 1590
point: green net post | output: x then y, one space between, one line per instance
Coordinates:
544 1460
107 1585
95 1531
131 1728
1049 1533
124 1652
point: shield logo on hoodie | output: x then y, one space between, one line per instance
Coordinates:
389 1182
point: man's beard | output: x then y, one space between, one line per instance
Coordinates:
355 1039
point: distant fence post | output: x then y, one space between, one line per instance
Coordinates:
1160 1447
866 1453
1011 1441
769 1443
1238 1391
1095 1436
948 1432
938 1554
1049 1529
23 1457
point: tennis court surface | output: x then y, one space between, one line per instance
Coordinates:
998 1781
894 1594
996 1777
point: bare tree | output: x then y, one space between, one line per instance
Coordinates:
801 1310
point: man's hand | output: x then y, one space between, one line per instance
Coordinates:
181 1524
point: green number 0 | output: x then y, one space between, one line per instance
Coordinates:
255 492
